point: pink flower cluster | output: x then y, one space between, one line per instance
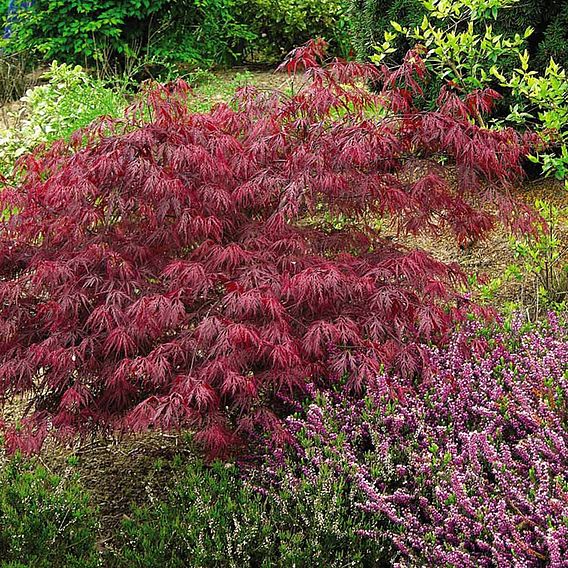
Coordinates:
467 467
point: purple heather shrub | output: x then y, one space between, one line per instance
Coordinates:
468 466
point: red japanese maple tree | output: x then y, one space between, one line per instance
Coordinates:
186 271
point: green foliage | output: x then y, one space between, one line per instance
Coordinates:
371 18
540 270
198 32
69 100
281 25
4 6
230 31
76 30
542 102
459 43
44 522
460 46
555 164
542 265
483 289
204 32
214 518
549 18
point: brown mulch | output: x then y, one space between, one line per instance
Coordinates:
490 257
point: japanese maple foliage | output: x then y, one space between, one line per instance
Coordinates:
182 272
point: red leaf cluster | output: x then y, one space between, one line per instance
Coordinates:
184 272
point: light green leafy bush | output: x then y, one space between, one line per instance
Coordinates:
213 518
69 100
371 18
458 41
542 103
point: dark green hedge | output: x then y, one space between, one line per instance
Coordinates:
370 19
202 32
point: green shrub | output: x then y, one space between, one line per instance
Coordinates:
214 518
78 31
460 47
70 99
282 25
371 18
200 32
234 31
549 18
204 32
458 44
44 522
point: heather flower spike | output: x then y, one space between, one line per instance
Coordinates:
467 468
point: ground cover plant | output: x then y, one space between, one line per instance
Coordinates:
211 517
45 521
177 274
466 467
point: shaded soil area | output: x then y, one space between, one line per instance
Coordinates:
120 474
489 258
